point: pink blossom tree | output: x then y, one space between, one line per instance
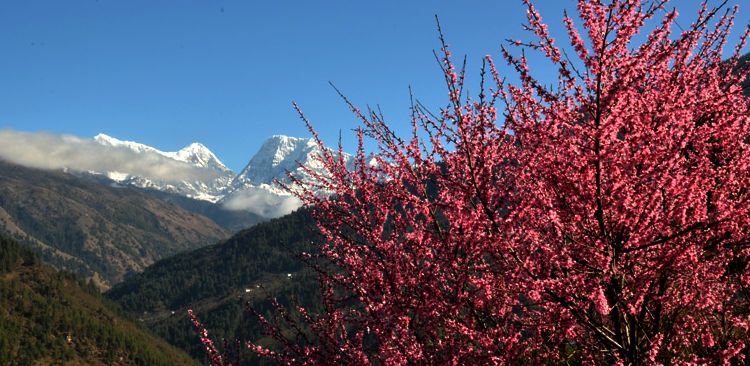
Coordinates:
605 219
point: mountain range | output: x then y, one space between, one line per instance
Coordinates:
255 188
211 188
194 171
104 208
108 225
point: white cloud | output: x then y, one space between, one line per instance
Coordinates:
261 202
54 151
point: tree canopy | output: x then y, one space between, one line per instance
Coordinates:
600 220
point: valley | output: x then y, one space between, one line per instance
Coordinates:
158 248
219 280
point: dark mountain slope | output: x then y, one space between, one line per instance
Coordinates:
216 280
48 317
97 231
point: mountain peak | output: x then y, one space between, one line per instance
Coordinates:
200 155
107 140
195 154
286 138
104 137
195 146
283 142
278 155
195 149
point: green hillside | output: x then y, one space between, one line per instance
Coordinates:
217 280
50 317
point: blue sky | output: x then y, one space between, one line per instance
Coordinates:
167 73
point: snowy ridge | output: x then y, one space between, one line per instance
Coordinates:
135 146
254 189
195 154
198 155
257 184
277 156
211 188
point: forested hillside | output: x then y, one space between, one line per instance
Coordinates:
50 317
253 266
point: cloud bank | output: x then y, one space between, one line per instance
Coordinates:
55 151
51 151
261 202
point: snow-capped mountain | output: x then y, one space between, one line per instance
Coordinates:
209 187
254 189
277 156
193 171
